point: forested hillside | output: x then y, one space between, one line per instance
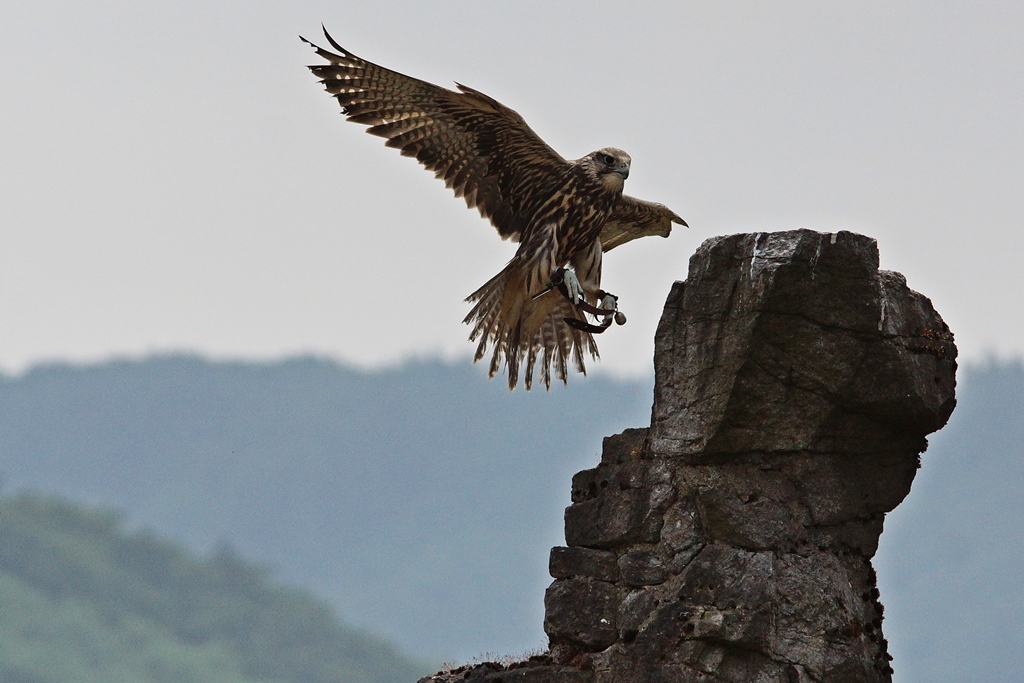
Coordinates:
422 500
402 495
84 600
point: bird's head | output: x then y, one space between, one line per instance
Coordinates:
609 166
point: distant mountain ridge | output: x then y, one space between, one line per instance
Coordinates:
376 488
83 600
422 499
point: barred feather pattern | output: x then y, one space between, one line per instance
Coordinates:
561 212
481 149
518 327
536 331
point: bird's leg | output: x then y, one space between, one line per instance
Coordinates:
586 266
572 286
610 303
608 300
586 279
568 282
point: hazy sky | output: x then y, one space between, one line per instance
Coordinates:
174 179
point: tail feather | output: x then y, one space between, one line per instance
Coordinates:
531 362
515 328
552 349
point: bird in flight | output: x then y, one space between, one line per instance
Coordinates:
564 214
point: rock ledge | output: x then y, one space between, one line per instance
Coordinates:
732 540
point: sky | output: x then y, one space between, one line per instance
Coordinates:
174 179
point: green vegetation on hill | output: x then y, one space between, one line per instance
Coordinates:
404 496
82 599
422 499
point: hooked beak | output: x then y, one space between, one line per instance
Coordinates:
622 170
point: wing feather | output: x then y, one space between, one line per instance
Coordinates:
482 150
634 218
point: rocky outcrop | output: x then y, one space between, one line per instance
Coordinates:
732 540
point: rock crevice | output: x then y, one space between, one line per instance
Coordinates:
732 539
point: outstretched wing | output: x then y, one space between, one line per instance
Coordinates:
483 150
633 218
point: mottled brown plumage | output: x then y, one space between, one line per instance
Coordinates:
562 213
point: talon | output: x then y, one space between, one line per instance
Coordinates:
572 286
609 302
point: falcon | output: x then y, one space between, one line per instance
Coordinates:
564 214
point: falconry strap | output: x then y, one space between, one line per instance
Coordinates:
608 311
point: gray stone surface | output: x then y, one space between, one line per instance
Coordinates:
597 564
732 540
796 341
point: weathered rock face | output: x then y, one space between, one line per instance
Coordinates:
731 541
796 341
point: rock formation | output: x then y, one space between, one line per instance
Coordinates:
732 540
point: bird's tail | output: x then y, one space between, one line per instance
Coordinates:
521 328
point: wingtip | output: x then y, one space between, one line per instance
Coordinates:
333 42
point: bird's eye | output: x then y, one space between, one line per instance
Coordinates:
608 160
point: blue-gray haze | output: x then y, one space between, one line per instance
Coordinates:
422 500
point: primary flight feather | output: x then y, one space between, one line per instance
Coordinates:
562 213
